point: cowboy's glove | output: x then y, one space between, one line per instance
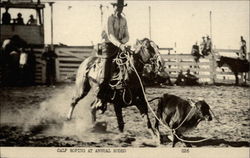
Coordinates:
123 47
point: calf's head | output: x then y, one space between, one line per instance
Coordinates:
203 110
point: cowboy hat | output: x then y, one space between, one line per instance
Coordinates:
119 3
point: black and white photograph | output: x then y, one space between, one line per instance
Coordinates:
124 78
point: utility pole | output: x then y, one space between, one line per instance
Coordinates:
149 14
210 19
101 6
51 21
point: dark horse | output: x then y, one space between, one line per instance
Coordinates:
236 66
87 84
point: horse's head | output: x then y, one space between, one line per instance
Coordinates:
147 52
220 62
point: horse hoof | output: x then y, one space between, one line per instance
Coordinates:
67 119
121 128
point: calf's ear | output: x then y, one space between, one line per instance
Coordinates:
198 104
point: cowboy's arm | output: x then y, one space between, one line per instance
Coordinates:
111 33
126 36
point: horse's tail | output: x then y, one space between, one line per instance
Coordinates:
81 78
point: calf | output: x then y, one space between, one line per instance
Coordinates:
181 115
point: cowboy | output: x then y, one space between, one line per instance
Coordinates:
115 36
6 17
243 48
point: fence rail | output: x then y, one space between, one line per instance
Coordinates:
69 58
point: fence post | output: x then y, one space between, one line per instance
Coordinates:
57 66
241 74
213 67
248 74
178 64
44 73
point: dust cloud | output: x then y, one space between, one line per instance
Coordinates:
49 117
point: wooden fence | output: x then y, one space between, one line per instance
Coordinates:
204 70
69 58
40 73
68 61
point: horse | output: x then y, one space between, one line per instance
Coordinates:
15 61
88 81
235 65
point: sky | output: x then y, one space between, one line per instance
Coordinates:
174 24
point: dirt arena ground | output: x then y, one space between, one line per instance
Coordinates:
35 116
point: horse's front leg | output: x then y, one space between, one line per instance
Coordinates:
150 127
144 112
236 78
118 113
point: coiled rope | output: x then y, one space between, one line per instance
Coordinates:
123 66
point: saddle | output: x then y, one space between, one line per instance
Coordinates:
120 68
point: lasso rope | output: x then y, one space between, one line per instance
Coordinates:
173 131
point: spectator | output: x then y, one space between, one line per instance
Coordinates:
196 52
19 19
32 21
208 45
49 56
203 46
243 48
180 81
6 17
190 79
